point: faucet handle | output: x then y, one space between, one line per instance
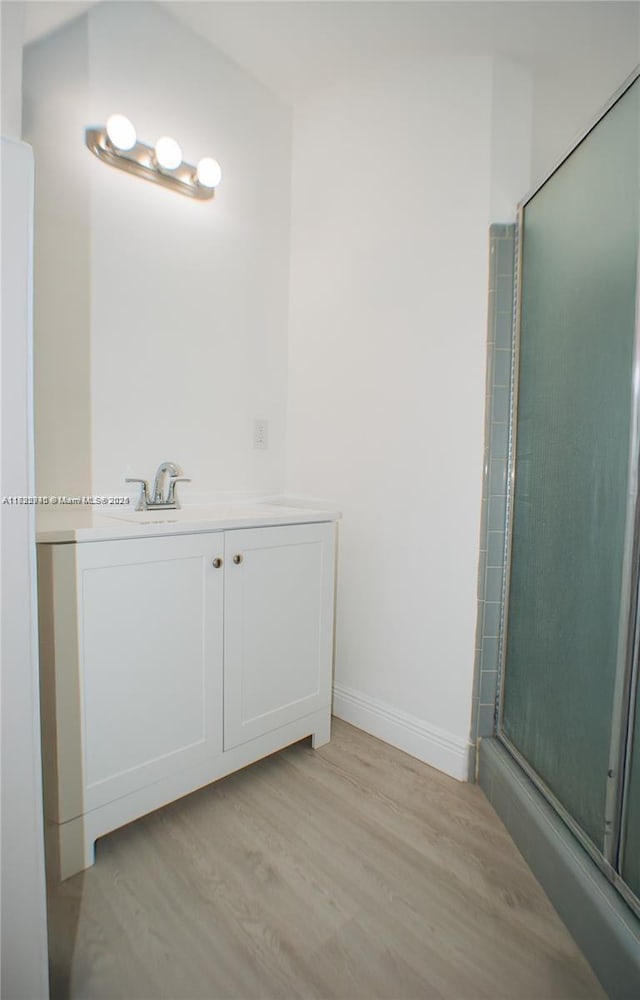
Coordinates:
143 499
171 495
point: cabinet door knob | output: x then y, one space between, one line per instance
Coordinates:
237 559
217 562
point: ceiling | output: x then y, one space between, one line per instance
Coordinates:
298 46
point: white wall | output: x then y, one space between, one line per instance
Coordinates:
55 114
166 334
512 89
12 17
391 203
24 930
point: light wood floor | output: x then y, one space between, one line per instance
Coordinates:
352 872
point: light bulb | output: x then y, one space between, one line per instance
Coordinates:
121 132
168 153
208 172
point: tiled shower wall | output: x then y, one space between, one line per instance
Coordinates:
502 240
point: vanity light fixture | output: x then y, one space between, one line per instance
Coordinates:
118 145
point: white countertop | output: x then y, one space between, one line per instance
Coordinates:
92 524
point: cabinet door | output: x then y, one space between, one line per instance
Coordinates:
150 654
278 627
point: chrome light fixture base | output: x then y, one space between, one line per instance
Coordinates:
141 161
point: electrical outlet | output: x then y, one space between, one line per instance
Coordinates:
261 434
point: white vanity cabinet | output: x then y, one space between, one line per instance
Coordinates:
168 662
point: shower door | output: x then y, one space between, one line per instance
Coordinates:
572 566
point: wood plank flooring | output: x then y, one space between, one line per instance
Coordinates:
353 872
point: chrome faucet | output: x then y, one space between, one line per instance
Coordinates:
161 496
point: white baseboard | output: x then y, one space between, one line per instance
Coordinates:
420 739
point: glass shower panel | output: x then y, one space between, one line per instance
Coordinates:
577 332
